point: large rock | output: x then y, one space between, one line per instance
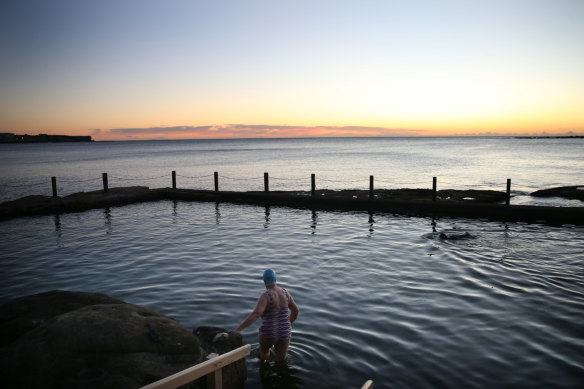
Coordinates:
85 340
567 192
216 340
21 315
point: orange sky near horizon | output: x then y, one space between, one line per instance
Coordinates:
249 131
182 70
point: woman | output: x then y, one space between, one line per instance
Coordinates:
276 327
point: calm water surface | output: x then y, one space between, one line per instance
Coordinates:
339 163
382 297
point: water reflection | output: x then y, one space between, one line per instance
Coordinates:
57 220
279 375
267 217
433 224
217 213
108 220
314 221
371 223
174 206
58 230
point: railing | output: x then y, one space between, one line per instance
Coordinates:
211 369
266 180
367 385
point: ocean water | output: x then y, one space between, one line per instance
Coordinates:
382 296
338 163
408 302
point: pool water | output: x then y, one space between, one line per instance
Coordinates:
407 302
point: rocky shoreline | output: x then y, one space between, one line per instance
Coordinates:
62 339
412 202
568 192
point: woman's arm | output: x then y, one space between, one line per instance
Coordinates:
293 308
257 312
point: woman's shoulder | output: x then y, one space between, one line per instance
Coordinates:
284 293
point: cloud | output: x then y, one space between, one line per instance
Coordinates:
261 130
159 130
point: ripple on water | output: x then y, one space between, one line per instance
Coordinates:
381 296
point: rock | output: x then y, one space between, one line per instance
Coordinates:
44 205
217 340
479 196
86 340
567 192
21 315
29 205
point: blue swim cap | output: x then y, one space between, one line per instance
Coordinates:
269 277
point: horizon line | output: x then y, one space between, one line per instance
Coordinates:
567 135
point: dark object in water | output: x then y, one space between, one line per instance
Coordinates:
445 236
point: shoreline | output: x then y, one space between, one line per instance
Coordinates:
10 138
409 202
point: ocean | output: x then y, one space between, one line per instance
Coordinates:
338 163
381 296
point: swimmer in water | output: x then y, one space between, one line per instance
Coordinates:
278 311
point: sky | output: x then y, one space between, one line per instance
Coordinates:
143 69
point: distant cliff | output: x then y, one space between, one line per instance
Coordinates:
41 138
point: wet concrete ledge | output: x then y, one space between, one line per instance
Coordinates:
323 200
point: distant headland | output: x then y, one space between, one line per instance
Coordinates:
551 137
7 137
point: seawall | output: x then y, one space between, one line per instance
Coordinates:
323 200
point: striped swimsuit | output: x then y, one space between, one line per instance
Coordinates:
276 326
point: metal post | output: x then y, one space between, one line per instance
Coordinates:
216 177
508 194
434 185
266 183
370 186
105 188
54 184
173 179
312 184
